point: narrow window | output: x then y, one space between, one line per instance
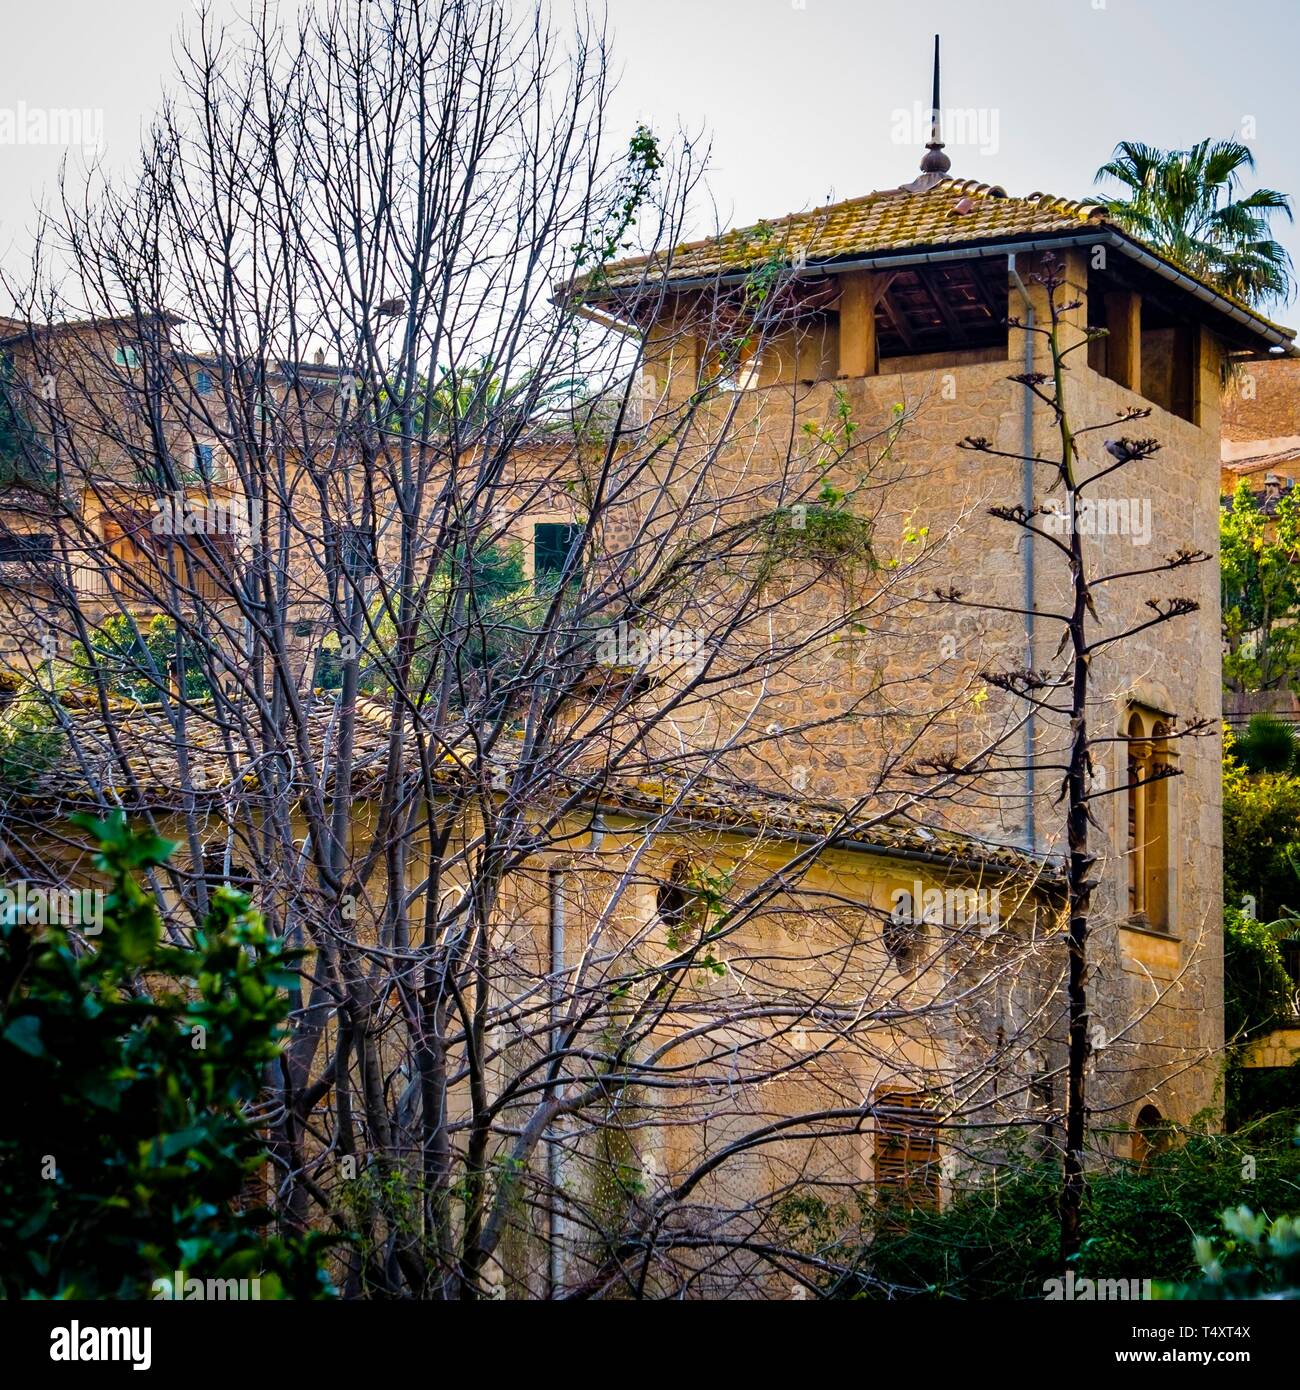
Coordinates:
1149 776
1136 820
673 900
203 383
203 462
906 1160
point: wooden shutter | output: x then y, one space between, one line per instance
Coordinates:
907 1150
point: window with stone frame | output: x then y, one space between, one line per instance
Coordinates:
1147 849
553 543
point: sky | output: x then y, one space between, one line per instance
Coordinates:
799 100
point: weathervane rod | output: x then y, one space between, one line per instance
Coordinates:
934 161
934 104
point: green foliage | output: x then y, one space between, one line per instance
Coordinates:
134 660
1267 745
1261 834
1257 989
1258 1258
636 179
1002 1239
480 614
1260 585
825 534
126 1069
467 399
1186 204
31 739
1256 1091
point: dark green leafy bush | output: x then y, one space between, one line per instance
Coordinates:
1001 1239
125 1149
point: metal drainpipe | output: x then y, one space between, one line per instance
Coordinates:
555 893
555 896
1027 501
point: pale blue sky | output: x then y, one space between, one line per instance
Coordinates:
800 98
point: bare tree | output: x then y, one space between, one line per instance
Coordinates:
471 689
1067 693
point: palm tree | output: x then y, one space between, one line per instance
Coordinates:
1181 203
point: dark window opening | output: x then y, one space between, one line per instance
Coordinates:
1149 346
1167 362
35 548
215 875
673 898
903 936
1151 1135
553 542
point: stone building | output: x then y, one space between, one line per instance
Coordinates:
917 301
887 328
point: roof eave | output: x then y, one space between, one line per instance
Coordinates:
1270 333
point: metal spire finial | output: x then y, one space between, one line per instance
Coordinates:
934 161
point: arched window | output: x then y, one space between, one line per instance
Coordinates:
1147 848
1150 1134
672 899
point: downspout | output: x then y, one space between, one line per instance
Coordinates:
556 948
1027 501
555 895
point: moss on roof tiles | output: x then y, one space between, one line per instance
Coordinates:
952 212
949 213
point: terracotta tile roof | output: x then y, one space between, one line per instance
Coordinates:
950 213
731 805
89 772
12 330
934 213
1254 463
89 768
